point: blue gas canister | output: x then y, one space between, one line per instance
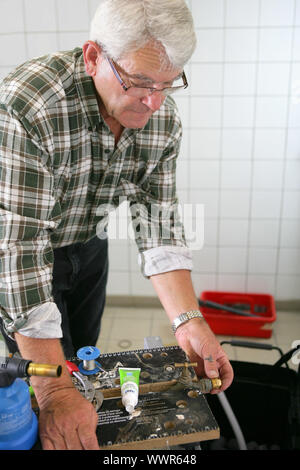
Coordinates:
18 422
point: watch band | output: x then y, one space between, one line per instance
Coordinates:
185 317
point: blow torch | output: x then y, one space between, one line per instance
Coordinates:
13 367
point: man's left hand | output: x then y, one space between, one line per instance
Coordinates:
200 344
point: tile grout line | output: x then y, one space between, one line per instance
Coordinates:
253 130
285 159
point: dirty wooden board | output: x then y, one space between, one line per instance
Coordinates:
164 418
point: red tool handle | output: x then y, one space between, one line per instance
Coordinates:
71 367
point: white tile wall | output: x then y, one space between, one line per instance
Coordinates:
240 154
39 19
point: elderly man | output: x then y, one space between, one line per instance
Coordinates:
78 130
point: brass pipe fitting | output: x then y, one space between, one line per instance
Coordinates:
44 370
216 383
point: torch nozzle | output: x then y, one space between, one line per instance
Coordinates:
44 370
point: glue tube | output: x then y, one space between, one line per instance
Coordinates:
129 381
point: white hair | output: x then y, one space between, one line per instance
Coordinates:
122 26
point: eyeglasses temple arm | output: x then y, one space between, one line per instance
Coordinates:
117 74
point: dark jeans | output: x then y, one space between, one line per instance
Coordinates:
79 289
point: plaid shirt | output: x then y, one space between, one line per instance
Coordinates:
59 165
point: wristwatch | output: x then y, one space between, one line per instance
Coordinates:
185 317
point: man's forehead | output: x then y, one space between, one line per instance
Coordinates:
148 61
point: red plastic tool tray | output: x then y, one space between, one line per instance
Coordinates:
226 323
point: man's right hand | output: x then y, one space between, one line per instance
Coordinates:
67 421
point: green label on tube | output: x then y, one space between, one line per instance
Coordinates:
128 374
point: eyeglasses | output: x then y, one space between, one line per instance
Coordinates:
140 91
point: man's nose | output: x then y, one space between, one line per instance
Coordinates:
154 101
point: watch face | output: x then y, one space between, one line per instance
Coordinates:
182 318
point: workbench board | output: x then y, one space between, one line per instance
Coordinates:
164 418
160 419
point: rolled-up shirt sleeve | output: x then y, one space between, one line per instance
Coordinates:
164 259
43 322
28 214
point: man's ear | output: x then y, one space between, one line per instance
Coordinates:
91 54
